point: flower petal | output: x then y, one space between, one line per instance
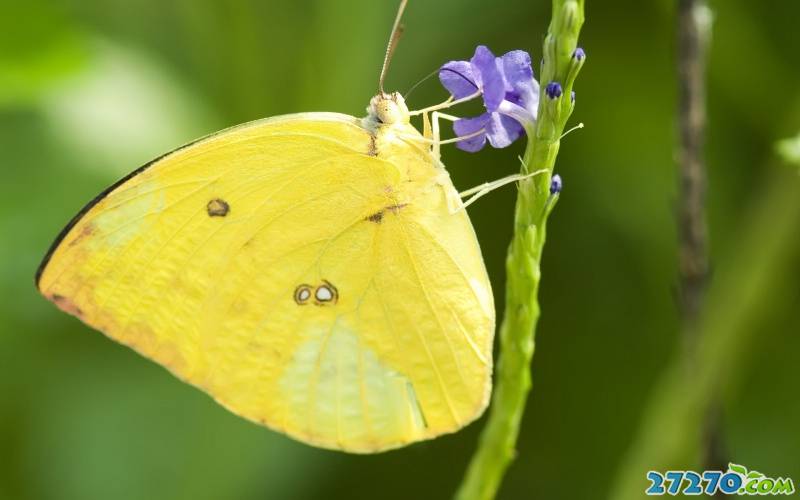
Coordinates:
514 110
457 78
502 130
489 77
517 68
467 126
519 78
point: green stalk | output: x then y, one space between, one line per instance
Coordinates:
496 448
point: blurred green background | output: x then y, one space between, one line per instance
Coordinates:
91 89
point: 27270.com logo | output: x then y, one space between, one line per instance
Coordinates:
737 480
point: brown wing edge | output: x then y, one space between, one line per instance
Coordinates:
97 199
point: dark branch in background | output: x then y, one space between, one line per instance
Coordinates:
693 33
692 117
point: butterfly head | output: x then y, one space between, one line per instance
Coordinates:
388 109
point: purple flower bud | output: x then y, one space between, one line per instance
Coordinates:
553 90
555 184
572 96
579 54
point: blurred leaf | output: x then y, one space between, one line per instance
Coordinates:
789 149
39 46
124 110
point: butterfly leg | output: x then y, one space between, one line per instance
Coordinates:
446 104
454 202
488 187
434 139
437 137
426 127
431 132
437 142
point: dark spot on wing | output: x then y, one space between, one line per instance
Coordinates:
372 150
396 208
87 230
322 295
218 208
66 305
377 217
325 294
302 293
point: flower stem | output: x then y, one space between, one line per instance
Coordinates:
496 448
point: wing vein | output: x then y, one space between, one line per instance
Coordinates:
432 309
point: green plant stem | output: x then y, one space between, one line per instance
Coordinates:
496 448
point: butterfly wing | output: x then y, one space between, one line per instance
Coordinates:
286 268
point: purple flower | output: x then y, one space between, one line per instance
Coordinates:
556 184
509 91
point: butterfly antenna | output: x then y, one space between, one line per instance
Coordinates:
397 31
423 80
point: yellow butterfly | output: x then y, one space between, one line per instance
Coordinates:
307 271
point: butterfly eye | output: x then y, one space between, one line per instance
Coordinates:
301 294
326 293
